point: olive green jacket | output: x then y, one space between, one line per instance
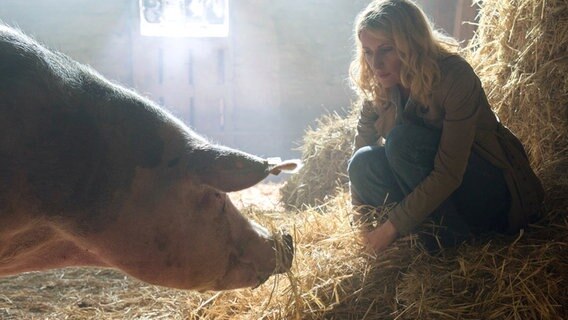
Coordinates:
461 111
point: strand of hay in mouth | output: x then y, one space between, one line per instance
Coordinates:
325 152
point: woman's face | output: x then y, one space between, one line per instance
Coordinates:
381 57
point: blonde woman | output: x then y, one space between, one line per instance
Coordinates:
428 146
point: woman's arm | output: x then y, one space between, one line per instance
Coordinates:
380 238
459 96
366 134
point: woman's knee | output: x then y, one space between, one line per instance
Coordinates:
398 141
406 141
361 163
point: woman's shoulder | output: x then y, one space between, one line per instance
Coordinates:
455 65
457 78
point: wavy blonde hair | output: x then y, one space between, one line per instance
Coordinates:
417 44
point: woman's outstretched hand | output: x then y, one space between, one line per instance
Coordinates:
380 238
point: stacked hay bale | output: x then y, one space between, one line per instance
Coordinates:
325 152
521 54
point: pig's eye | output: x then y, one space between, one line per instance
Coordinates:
222 198
213 201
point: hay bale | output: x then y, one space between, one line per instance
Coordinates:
520 53
325 152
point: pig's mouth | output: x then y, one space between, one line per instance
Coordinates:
261 281
243 274
284 255
240 275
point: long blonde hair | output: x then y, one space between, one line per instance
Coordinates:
417 44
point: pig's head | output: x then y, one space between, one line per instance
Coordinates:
249 254
237 252
178 227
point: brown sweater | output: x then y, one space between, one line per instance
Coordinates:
461 110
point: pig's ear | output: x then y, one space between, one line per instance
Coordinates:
227 169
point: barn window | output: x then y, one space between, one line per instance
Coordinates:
184 18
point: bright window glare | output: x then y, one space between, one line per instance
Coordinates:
184 18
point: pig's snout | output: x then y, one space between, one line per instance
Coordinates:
284 248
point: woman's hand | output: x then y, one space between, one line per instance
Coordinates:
380 238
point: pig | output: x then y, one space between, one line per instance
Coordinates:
94 174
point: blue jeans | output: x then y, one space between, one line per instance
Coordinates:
385 175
